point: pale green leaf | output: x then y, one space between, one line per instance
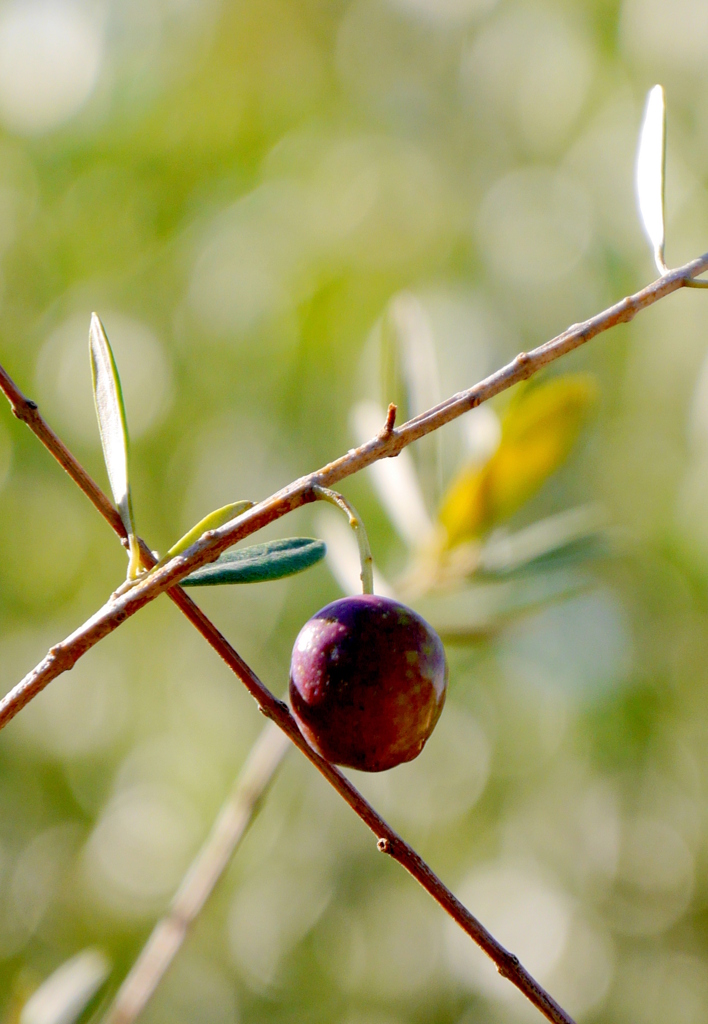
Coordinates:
211 522
66 993
650 172
113 428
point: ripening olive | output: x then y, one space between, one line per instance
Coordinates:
368 679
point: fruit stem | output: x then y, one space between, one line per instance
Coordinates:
357 525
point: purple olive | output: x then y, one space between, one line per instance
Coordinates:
368 679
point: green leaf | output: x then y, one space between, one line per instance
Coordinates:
211 522
113 427
270 561
66 993
650 172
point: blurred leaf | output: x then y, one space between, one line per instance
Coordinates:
408 366
270 561
560 541
539 429
211 522
650 172
567 555
67 992
476 612
113 427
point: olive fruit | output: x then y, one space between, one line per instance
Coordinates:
368 679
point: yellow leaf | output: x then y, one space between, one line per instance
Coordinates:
540 427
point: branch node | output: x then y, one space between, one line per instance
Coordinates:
510 967
23 409
270 712
384 845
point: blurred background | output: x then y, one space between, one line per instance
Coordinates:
266 201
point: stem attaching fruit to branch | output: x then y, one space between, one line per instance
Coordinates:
357 525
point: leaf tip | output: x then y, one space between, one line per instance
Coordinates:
96 327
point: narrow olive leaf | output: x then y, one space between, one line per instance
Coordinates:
270 561
66 993
651 172
113 428
211 522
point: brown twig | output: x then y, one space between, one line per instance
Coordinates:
229 828
64 655
26 410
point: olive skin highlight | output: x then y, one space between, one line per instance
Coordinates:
368 679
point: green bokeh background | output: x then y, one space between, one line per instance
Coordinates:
240 189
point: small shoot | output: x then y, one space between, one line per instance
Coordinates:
651 173
112 425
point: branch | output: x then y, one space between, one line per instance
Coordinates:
229 828
388 841
385 445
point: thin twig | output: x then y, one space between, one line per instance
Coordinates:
388 841
64 655
229 828
26 410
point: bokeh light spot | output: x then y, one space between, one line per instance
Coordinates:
51 54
